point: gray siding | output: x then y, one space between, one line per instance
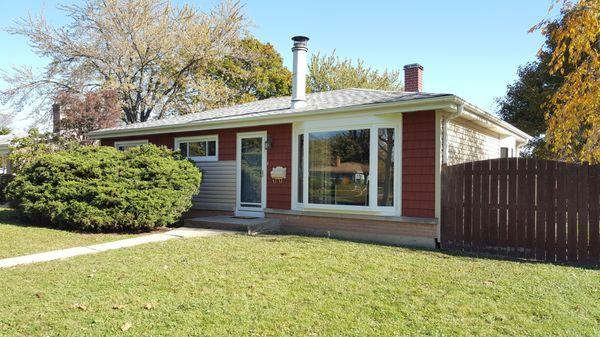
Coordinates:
217 191
467 142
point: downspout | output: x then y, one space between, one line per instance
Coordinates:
458 112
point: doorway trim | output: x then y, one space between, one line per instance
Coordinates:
247 211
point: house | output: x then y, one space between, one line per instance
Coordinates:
4 147
354 163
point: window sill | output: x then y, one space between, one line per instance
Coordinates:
336 214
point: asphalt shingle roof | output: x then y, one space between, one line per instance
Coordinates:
281 106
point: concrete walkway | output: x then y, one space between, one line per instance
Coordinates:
179 233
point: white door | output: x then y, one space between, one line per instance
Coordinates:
251 167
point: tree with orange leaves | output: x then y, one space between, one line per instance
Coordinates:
574 122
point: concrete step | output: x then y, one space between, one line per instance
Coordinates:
250 225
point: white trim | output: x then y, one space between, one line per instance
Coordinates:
245 211
398 162
373 124
203 138
130 143
438 171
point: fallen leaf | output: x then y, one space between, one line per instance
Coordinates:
126 326
118 306
39 295
489 282
80 306
149 306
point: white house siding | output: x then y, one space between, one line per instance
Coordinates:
467 142
217 191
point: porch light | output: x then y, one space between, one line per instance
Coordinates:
268 143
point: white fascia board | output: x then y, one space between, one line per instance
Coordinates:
442 102
485 118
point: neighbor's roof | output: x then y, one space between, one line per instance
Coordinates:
5 142
5 139
281 106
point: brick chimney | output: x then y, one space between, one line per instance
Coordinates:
55 118
413 77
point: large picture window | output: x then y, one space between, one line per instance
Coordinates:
339 167
347 169
202 148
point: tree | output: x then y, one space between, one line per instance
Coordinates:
258 74
25 149
150 52
81 114
523 105
574 109
330 72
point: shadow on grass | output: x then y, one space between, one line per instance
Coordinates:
438 253
12 217
520 260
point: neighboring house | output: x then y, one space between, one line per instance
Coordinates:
363 164
4 163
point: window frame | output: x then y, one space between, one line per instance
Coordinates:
195 139
373 126
130 143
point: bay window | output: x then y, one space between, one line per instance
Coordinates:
338 167
385 167
346 168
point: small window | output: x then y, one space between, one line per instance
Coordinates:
198 148
503 152
122 146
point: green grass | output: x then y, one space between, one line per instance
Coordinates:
295 286
18 239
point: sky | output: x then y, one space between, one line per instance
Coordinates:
467 47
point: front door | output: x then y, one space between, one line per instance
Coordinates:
251 167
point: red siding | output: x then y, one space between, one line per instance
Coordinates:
279 195
418 164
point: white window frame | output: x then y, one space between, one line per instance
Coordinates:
373 124
194 139
131 143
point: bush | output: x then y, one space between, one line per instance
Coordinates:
101 189
4 180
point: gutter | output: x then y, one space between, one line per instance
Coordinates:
459 111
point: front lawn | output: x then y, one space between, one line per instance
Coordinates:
295 286
17 239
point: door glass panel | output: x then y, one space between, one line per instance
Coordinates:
251 171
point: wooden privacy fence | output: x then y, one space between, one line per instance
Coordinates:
525 208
